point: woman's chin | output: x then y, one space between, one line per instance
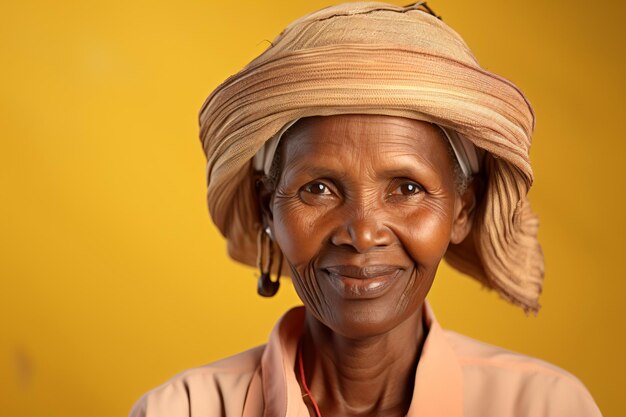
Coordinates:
359 319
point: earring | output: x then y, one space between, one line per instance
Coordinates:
265 255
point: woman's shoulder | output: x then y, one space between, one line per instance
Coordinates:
206 390
518 384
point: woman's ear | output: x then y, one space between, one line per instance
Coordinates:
464 209
265 196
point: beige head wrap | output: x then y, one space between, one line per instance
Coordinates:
377 58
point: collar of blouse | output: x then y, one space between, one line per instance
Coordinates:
275 389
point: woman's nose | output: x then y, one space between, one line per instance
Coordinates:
363 232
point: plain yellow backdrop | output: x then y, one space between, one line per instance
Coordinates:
112 276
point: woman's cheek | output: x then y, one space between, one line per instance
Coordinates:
294 229
300 239
306 284
426 236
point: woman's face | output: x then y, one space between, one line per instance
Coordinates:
363 211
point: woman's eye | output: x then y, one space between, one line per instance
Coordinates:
316 188
407 188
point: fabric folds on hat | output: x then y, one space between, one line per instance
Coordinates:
377 58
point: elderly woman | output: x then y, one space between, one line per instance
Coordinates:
364 146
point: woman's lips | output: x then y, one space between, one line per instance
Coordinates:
362 282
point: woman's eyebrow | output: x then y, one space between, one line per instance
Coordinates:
417 172
408 161
400 172
314 170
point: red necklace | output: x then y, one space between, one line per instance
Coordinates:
303 380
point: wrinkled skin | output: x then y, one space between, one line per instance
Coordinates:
363 211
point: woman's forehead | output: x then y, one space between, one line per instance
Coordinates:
354 136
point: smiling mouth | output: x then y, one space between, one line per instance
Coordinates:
362 282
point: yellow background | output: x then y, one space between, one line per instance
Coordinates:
113 278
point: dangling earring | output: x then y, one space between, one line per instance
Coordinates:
265 247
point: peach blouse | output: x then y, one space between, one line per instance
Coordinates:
456 376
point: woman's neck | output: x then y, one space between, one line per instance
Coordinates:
372 376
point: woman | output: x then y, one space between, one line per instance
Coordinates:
354 154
